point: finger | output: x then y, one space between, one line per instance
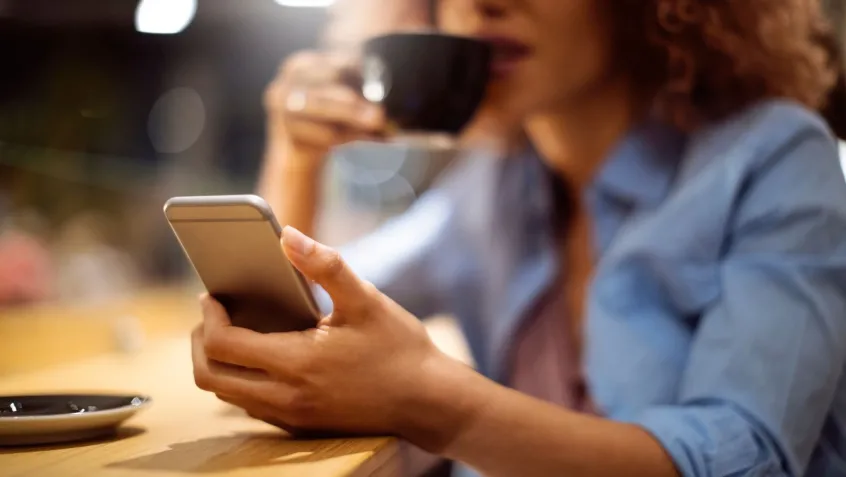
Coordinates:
320 66
308 67
309 133
213 311
250 406
235 352
258 411
233 345
325 267
303 68
335 104
342 60
221 378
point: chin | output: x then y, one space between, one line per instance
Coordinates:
510 99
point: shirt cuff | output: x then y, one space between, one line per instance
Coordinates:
710 441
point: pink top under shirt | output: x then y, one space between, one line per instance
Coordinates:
544 362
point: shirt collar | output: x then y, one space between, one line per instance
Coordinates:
642 167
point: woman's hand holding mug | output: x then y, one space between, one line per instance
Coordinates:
312 107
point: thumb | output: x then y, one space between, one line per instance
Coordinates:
324 266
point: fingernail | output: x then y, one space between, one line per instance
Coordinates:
296 241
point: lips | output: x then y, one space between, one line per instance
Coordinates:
507 55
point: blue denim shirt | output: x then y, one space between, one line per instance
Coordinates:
716 319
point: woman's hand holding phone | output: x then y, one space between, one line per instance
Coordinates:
369 368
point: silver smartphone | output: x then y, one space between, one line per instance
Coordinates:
233 243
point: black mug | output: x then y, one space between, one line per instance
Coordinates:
429 84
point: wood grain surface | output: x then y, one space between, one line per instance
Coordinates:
37 337
185 432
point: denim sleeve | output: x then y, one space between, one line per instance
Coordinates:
400 257
766 359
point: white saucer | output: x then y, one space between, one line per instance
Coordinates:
51 419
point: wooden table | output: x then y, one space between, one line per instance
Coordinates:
33 338
37 337
185 432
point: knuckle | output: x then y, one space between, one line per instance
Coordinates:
297 61
273 94
203 380
374 299
301 368
295 399
300 407
344 97
223 397
370 290
214 344
333 263
197 334
375 309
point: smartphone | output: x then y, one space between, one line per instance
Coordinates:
232 241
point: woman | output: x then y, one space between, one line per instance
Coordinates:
310 109
681 225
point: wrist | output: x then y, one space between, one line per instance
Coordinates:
288 159
448 399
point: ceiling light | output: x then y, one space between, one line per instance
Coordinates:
164 17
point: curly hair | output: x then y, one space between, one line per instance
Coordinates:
705 59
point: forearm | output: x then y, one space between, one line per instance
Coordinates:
291 185
501 432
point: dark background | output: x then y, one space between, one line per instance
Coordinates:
77 86
63 57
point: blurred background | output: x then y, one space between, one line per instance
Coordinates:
108 108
